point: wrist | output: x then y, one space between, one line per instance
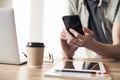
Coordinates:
92 44
68 55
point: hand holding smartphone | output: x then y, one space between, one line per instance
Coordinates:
73 21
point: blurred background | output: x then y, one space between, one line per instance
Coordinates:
39 21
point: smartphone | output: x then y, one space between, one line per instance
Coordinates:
73 21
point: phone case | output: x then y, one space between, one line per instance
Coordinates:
73 21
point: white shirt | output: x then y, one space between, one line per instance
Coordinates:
109 8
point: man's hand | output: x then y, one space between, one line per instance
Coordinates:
67 44
83 40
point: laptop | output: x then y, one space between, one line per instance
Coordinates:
9 51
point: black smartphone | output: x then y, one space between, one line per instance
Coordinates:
73 21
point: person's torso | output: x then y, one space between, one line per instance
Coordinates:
107 9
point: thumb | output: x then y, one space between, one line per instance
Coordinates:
88 32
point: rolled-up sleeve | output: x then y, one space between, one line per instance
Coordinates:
117 18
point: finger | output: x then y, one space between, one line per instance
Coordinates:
74 44
62 36
68 35
70 40
87 31
77 42
65 31
76 34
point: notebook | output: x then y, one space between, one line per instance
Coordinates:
9 51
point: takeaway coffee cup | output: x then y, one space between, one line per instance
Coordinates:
35 52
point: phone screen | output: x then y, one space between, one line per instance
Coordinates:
73 21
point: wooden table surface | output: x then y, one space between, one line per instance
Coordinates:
22 72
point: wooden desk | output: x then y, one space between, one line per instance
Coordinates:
22 72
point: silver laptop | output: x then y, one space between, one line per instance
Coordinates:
9 52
